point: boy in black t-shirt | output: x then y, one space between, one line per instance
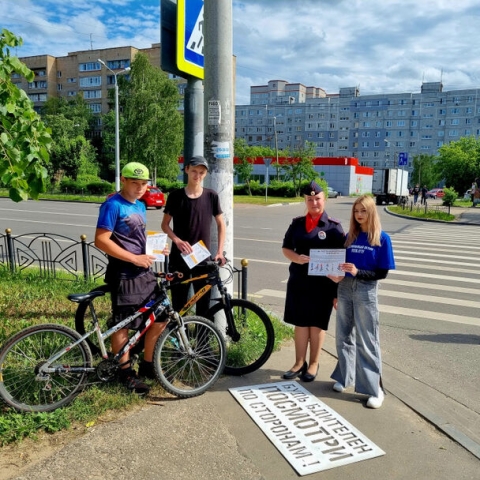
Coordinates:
192 210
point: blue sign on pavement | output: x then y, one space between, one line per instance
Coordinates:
402 159
190 42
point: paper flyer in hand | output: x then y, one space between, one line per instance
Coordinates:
326 262
156 242
200 253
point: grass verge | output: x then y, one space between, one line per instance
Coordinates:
430 214
252 200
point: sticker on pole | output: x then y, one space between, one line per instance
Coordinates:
308 433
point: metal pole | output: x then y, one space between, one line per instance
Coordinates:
117 125
117 138
193 119
219 109
266 184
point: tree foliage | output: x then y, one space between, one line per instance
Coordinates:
244 165
24 139
298 165
459 163
152 127
424 171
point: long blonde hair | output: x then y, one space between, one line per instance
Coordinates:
374 227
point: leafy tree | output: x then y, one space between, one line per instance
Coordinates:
24 139
76 110
152 129
299 165
244 167
71 153
424 171
459 162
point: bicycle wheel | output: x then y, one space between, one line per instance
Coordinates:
20 358
187 374
256 337
103 309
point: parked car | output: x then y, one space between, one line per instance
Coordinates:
435 193
153 197
332 193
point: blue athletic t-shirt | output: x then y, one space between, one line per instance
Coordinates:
127 222
366 257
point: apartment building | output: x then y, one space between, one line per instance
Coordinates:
376 129
80 73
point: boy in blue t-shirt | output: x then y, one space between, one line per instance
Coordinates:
121 235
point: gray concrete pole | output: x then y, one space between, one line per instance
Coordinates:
193 119
219 108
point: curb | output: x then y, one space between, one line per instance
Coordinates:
453 222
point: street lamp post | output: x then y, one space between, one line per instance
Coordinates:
117 126
276 141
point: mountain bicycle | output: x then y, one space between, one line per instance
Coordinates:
249 333
45 367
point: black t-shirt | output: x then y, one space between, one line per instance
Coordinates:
192 218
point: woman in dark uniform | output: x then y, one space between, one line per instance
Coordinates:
310 299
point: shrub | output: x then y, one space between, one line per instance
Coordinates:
450 196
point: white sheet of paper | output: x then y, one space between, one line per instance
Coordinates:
200 253
156 244
326 262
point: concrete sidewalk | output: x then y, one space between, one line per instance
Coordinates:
212 437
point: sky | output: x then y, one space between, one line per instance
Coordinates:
380 46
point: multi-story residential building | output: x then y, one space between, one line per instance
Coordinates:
373 128
82 73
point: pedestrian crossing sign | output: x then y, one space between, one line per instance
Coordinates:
190 42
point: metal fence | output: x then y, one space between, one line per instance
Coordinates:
426 207
52 253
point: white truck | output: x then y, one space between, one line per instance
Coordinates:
390 185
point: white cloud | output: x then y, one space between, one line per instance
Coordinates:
381 46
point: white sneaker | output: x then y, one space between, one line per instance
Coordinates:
376 402
338 387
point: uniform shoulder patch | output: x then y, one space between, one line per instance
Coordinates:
334 220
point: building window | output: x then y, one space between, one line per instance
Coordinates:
95 107
453 133
59 86
38 97
92 94
90 81
89 66
71 93
71 80
117 64
37 84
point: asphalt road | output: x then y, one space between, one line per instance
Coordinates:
429 308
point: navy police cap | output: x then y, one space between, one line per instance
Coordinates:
313 188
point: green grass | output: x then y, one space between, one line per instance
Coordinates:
254 200
430 214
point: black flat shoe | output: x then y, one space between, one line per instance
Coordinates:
290 375
308 377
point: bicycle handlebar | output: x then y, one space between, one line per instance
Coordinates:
169 276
